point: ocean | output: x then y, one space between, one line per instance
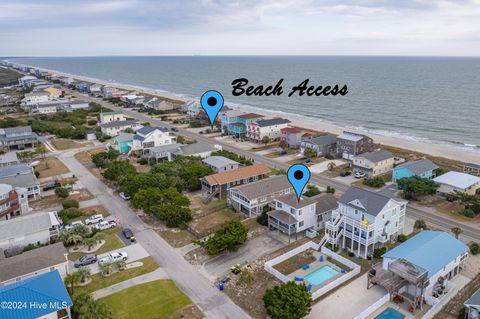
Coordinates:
432 99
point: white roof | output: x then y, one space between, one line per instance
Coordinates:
219 161
27 224
5 188
457 180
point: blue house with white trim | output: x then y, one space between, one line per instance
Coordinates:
42 296
423 168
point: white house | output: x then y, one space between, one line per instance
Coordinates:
36 97
270 128
107 117
25 80
148 137
220 163
114 128
456 181
365 220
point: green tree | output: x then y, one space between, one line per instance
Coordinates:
456 231
283 145
85 307
288 301
415 186
420 224
229 237
69 203
40 149
474 248
330 190
62 192
89 242
312 190
71 280
309 153
374 182
246 277
84 273
265 140
116 169
262 219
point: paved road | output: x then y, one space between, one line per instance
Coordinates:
213 303
470 232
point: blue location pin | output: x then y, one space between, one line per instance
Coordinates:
298 175
212 103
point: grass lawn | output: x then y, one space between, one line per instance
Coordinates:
51 166
99 282
65 144
112 242
156 299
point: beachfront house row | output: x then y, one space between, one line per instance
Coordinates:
70 106
45 289
350 144
21 176
292 216
34 262
36 97
24 81
149 136
13 201
270 128
220 163
169 152
457 181
321 145
251 198
94 88
472 306
365 220
132 99
423 168
292 135
472 169
238 124
217 185
420 270
114 128
31 229
17 138
373 163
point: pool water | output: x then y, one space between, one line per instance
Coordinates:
321 275
390 313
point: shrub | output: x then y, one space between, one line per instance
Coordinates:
312 190
402 238
288 301
330 156
475 248
378 253
229 237
92 122
330 190
69 213
374 182
469 213
262 219
69 203
142 161
37 174
61 192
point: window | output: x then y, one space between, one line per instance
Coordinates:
292 211
301 224
279 205
299 212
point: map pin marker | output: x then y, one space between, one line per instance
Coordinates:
298 175
211 102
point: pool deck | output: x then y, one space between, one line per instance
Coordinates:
313 267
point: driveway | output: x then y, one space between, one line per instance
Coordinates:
134 252
323 166
355 294
250 251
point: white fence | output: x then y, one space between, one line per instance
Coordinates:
372 308
452 291
355 269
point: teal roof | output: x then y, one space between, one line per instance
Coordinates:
431 250
43 289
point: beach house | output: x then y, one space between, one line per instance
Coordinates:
220 163
123 142
114 128
251 198
238 124
457 181
217 185
292 135
228 117
365 220
17 138
423 168
350 144
268 128
373 163
472 306
419 270
13 201
45 289
321 145
472 169
148 137
108 117
21 176
169 152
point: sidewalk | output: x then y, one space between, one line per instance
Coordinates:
151 276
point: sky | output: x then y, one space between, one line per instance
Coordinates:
230 27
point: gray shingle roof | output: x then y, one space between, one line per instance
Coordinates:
219 161
419 167
264 187
24 225
192 149
9 157
148 129
377 156
270 122
325 202
368 201
323 140
124 137
14 170
23 180
16 130
31 261
292 201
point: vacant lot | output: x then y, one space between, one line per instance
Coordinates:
156 299
54 201
210 223
176 237
65 144
51 166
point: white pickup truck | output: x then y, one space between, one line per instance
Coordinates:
113 257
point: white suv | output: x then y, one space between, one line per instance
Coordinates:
113 257
105 225
94 219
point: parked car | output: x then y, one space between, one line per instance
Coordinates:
174 129
124 196
74 224
307 161
94 219
85 260
359 175
51 186
127 232
345 174
113 257
105 225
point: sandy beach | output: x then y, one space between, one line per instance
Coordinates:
435 149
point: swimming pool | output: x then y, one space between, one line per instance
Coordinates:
321 275
390 313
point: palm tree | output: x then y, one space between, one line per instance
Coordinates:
120 264
40 149
456 231
85 307
73 239
106 269
99 236
89 242
84 273
71 280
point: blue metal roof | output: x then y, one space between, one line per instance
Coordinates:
431 250
46 289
